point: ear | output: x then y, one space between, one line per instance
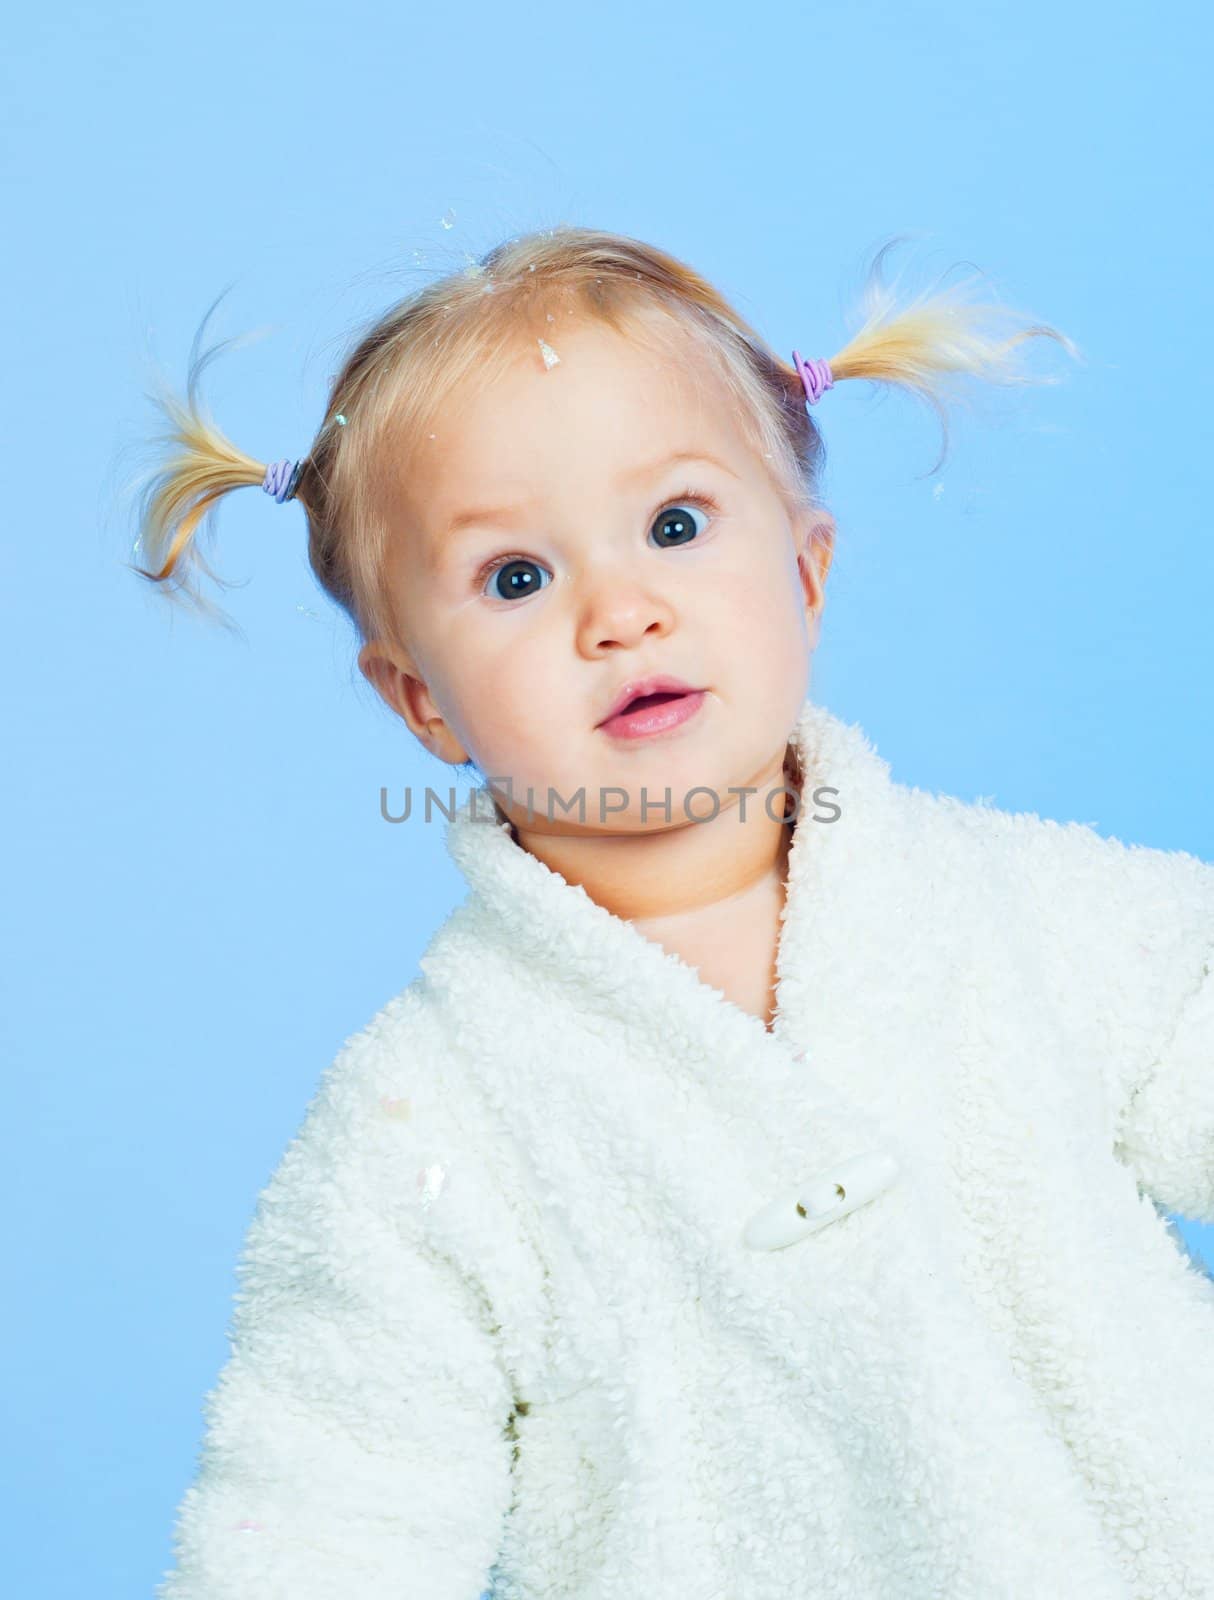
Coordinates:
814 537
393 673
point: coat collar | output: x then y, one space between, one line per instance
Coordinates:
597 959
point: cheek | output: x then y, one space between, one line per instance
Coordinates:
511 692
763 617
759 598
758 558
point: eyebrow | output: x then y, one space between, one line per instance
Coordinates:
483 514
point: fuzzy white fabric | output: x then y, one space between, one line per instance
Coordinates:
496 1314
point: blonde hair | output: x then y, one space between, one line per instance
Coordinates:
405 365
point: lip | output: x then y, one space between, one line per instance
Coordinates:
653 721
649 722
660 684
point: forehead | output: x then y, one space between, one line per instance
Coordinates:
605 404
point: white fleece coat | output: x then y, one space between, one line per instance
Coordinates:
561 1289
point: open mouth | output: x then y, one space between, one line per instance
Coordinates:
647 716
644 700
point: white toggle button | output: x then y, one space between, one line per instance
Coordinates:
820 1200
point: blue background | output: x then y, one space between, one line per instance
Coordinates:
202 901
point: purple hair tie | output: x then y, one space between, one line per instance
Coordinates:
282 479
816 377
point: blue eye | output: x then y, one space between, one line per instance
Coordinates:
513 576
674 523
518 584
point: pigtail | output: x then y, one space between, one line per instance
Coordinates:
935 340
177 503
406 364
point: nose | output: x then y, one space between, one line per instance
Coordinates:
619 610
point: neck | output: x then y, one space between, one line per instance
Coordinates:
686 868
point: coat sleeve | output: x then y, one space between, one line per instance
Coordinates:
357 1441
1167 1125
1127 945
